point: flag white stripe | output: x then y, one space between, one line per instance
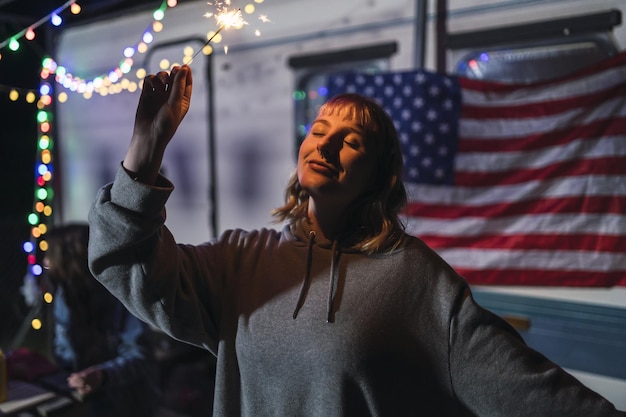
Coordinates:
507 128
608 146
592 185
534 259
561 224
593 83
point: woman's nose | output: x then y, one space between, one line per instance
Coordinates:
329 144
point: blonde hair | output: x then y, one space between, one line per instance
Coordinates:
376 225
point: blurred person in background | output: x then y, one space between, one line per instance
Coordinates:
105 352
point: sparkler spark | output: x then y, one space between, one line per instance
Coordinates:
227 18
230 19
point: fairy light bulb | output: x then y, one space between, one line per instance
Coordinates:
44 89
30 34
44 142
14 45
207 50
36 324
158 14
28 247
55 19
33 219
148 37
36 270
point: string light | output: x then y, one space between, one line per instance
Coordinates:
40 217
42 212
115 80
53 17
117 75
112 82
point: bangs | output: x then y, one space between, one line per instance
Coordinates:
352 109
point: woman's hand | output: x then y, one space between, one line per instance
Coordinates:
163 104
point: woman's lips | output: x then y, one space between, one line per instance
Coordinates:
323 168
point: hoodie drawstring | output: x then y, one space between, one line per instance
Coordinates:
332 286
307 274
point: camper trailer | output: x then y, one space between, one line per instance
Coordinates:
257 90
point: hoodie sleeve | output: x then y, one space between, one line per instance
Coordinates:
133 254
493 372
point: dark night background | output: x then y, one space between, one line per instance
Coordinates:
186 372
18 132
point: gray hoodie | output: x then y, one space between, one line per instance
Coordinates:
302 327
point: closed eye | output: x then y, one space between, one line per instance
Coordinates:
353 145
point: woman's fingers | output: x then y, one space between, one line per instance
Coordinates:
181 83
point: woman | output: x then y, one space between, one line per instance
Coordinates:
105 351
339 314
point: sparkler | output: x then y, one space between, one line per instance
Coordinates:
225 19
228 18
206 43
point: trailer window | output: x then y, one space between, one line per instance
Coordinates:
536 51
535 62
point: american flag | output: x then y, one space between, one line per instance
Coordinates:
513 184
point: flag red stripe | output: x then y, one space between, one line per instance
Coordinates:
583 204
575 168
541 277
605 127
584 242
543 108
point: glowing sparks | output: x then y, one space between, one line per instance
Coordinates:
228 18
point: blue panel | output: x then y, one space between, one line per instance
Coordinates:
585 337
